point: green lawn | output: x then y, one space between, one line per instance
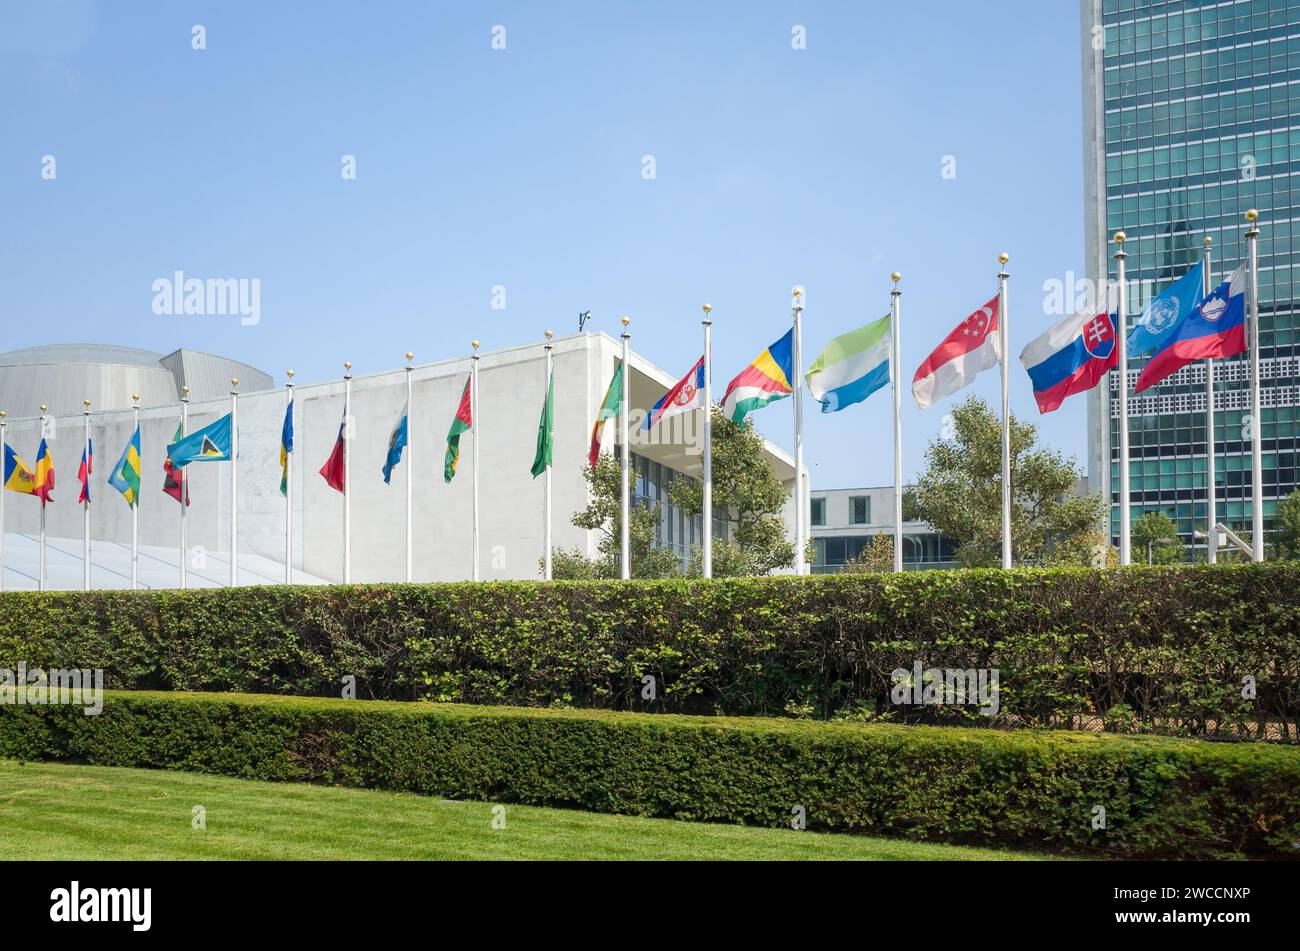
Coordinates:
57 811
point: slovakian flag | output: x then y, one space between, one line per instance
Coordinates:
609 408
83 471
334 467
1071 357
1215 328
764 381
686 395
44 479
173 478
954 364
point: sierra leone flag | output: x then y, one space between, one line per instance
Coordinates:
852 367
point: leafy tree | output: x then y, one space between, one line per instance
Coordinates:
748 496
877 556
960 494
1286 528
1155 536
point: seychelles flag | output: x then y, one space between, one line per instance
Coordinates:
1216 328
1071 357
764 381
687 395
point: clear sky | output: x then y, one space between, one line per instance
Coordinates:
523 168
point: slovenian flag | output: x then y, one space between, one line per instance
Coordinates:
1215 328
852 367
396 443
1071 357
686 395
971 348
764 381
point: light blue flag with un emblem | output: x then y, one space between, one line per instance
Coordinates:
1162 315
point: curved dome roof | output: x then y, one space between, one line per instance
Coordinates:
81 353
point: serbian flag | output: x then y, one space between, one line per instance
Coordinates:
44 475
764 381
1215 328
687 395
1072 356
83 471
334 465
954 364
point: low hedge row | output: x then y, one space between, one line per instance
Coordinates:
1190 650
1161 797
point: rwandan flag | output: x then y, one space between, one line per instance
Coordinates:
609 408
83 472
173 478
335 468
852 367
286 447
17 477
764 381
462 422
209 444
44 480
126 474
396 443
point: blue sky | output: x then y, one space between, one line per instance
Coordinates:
522 167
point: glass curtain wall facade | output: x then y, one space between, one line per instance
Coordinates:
1194 108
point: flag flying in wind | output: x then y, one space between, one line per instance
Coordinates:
852 367
545 431
83 471
209 444
396 443
125 476
335 467
461 422
174 483
609 408
1164 312
286 447
17 477
764 381
686 395
954 364
1071 357
1215 328
44 478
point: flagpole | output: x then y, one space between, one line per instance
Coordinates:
474 417
706 550
1211 503
1256 423
135 508
3 427
85 506
347 472
800 515
624 465
1004 344
1121 341
894 361
410 470
184 483
288 487
41 584
234 481
546 476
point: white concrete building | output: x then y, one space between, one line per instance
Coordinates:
843 522
511 390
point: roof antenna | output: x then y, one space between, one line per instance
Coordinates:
582 320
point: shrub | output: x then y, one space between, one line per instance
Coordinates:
1170 646
1162 797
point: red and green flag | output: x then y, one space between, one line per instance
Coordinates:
609 408
462 422
173 477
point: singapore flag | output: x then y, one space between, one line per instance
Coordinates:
970 348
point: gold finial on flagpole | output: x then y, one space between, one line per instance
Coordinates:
708 308
86 403
135 397
289 374
1003 258
1120 237
1251 214
43 409
1208 241
549 335
409 357
234 382
625 320
895 277
185 392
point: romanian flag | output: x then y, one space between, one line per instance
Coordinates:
609 408
44 480
83 472
463 421
764 381
286 447
174 478
126 474
17 477
335 468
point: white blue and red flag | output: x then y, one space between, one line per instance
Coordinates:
687 395
1071 357
971 348
1215 328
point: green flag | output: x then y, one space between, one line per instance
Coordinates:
545 431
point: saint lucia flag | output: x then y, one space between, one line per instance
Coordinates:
396 443
209 444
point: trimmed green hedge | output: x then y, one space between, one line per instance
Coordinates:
1162 797
1148 649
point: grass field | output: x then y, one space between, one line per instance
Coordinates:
57 811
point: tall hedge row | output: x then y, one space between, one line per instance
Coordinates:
1114 795
1192 650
